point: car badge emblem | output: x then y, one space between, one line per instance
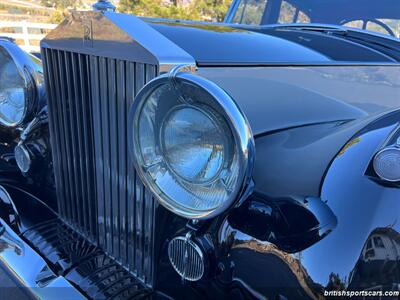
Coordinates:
87 33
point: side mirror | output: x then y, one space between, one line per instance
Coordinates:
289 223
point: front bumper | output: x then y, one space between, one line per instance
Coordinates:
49 259
30 270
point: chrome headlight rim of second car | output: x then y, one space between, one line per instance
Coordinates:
204 101
26 71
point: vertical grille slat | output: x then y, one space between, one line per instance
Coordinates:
105 123
79 133
99 192
139 226
98 146
105 102
88 154
131 186
114 156
123 158
148 233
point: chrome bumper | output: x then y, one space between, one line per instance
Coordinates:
30 270
51 260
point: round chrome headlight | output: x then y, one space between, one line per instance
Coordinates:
16 86
192 146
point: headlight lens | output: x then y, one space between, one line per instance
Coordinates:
188 133
12 105
13 91
188 141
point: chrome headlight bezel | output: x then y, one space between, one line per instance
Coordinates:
29 70
238 124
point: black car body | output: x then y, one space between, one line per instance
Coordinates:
301 140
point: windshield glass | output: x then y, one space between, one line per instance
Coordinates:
381 16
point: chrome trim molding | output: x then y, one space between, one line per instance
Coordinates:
119 36
172 74
27 267
167 53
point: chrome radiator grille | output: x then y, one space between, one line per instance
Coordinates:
99 193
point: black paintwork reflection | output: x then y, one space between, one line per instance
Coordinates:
8 210
378 267
289 223
330 44
22 210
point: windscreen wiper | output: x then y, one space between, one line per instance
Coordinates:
311 27
387 45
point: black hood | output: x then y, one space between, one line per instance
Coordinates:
276 98
225 44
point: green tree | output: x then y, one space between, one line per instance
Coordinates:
209 10
58 16
61 4
212 10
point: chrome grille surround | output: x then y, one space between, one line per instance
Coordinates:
98 190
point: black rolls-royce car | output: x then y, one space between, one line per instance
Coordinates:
257 158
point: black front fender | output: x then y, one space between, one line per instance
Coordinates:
365 209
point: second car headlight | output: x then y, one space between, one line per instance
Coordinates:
12 91
192 146
17 89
